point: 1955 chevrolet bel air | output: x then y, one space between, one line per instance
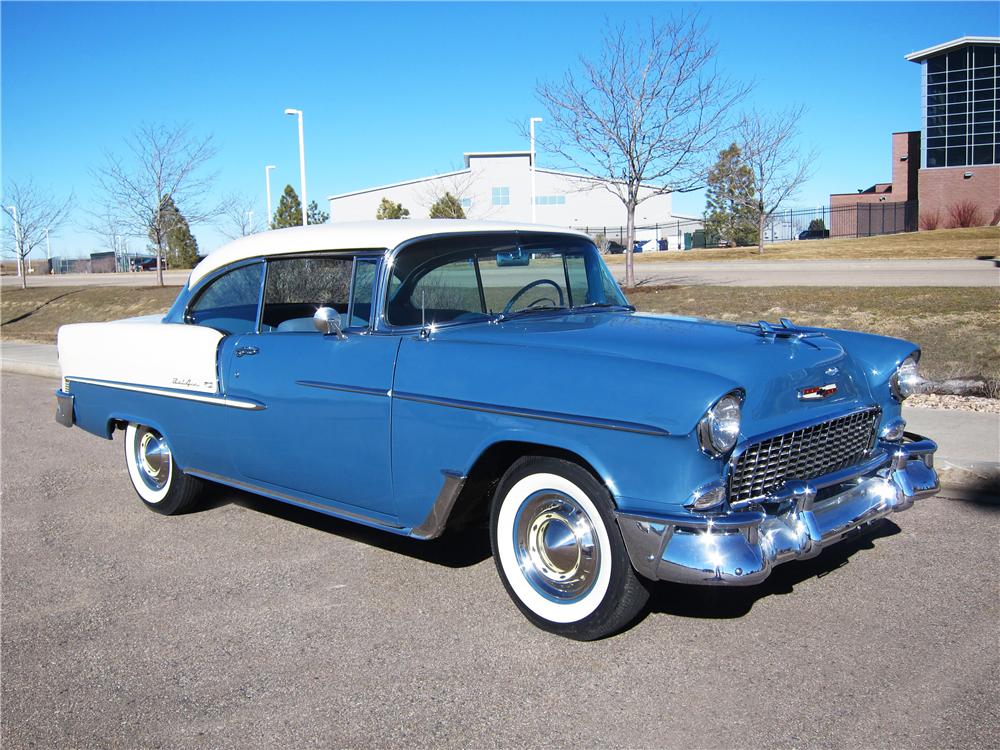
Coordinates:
467 371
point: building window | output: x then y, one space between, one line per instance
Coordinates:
961 125
550 200
466 202
501 196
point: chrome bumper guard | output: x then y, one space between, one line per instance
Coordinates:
64 408
739 548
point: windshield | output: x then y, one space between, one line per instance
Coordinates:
471 278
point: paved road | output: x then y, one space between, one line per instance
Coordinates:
251 624
955 272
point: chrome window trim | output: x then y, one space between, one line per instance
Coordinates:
385 327
205 398
526 413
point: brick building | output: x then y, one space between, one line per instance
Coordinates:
954 160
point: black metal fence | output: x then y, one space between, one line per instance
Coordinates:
854 220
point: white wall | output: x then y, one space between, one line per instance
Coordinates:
587 202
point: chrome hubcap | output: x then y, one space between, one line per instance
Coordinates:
556 546
152 457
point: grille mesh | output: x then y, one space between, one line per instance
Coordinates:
803 454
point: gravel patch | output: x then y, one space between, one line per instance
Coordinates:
963 403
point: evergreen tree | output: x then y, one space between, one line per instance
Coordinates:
388 209
181 248
447 207
817 225
289 211
727 216
314 215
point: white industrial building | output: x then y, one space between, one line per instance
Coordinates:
497 186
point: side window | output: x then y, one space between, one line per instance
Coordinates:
364 287
229 304
448 292
296 287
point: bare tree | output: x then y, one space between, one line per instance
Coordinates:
107 225
163 162
238 218
769 149
32 214
647 114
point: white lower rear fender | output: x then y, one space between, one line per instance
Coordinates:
143 352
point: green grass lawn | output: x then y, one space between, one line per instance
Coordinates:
941 243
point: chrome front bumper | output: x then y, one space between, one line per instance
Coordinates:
740 548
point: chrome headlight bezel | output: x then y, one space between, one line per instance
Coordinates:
906 380
719 429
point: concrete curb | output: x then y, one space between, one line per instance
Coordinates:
39 369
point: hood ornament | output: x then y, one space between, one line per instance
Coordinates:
784 329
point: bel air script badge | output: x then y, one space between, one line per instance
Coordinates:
817 392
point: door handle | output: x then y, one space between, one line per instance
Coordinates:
246 351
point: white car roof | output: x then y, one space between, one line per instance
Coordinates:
351 236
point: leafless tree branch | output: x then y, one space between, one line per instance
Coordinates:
30 212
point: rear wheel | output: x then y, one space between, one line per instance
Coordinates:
559 552
161 486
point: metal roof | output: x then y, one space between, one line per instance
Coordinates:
360 235
938 49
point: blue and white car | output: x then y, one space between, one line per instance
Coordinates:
407 376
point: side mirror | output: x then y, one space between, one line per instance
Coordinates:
327 321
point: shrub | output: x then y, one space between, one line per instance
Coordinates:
964 214
929 221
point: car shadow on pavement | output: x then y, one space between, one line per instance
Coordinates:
725 602
454 549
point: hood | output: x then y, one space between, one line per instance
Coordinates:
772 370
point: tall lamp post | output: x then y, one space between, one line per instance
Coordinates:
17 237
531 125
302 162
267 181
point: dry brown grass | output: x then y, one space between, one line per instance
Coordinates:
940 243
956 328
34 314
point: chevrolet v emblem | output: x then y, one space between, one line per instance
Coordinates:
817 392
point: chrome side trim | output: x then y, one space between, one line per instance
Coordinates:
437 518
340 387
329 510
546 416
153 391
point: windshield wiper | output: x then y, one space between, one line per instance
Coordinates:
591 305
527 310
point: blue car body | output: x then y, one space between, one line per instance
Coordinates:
389 425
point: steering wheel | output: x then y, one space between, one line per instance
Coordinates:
528 287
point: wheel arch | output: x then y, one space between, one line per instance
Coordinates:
472 503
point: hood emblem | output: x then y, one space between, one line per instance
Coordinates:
816 392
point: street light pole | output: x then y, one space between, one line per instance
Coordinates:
267 180
302 163
48 249
531 124
17 237
249 222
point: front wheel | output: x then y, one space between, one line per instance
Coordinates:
559 552
154 474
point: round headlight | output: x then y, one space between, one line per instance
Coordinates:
719 429
906 380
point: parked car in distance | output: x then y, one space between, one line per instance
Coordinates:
814 234
404 375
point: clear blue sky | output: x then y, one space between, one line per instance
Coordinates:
393 91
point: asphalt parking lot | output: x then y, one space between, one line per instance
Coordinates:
252 624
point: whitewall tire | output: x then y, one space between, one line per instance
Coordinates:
158 482
559 552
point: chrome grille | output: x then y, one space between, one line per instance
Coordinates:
802 454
